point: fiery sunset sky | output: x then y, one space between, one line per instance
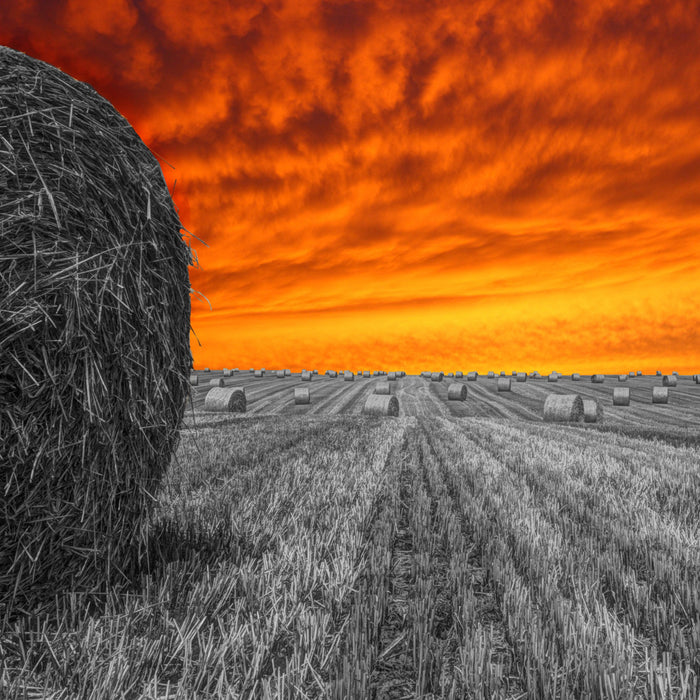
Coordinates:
415 184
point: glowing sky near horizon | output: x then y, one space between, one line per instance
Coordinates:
415 184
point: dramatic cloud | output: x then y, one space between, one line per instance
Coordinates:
488 185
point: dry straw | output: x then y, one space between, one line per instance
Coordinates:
228 372
621 396
194 379
381 405
659 394
563 408
366 374
521 377
306 376
348 376
576 377
287 372
302 395
658 372
95 319
553 377
491 375
206 369
258 373
281 374
459 375
503 374
670 380
384 388
622 378
639 374
228 399
436 377
457 392
219 381
331 373
503 384
592 411
471 376
631 374
392 376
598 378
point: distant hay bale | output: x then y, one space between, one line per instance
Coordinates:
621 396
696 378
219 381
436 377
639 374
281 374
450 374
491 374
592 411
302 395
456 392
366 374
315 371
659 394
597 378
459 375
194 379
675 373
503 384
472 376
503 374
229 372
94 338
670 380
631 374
658 372
258 373
391 376
206 369
332 373
553 377
521 377
228 399
576 377
563 408
381 405
348 376
622 378
306 376
287 372
384 388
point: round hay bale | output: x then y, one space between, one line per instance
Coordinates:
315 371
391 376
503 384
491 375
472 376
696 378
280 374
450 375
251 370
219 381
553 377
228 372
670 380
459 375
658 372
456 392
639 374
675 373
503 374
332 373
258 373
228 399
366 374
631 374
597 378
348 376
575 377
592 411
302 395
436 377
563 408
521 377
621 396
206 369
384 388
287 372
194 379
659 394
381 405
94 337
306 376
622 378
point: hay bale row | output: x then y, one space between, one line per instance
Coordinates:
381 405
456 392
225 399
563 408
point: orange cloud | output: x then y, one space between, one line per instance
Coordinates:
512 184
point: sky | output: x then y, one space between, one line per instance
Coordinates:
414 184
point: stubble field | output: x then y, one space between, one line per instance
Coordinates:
461 550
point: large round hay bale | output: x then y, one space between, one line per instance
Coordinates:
670 380
521 377
658 372
459 375
621 396
659 394
332 373
281 374
228 399
503 384
436 377
366 374
94 337
258 373
472 376
491 375
381 405
456 392
597 378
306 376
391 376
287 372
592 411
575 377
384 388
219 381
639 374
563 408
194 379
302 395
553 377
631 374
622 378
348 376
228 372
